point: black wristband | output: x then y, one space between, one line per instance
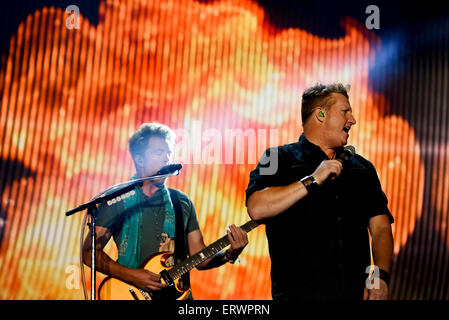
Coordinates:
310 183
227 259
384 275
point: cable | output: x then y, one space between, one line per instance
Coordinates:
83 278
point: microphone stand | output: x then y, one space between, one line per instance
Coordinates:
91 207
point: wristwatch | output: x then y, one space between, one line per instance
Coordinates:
310 183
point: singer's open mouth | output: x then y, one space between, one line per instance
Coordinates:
346 129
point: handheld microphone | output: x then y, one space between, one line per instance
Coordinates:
347 153
170 168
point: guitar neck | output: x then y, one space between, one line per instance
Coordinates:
191 262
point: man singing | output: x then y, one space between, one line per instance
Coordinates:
318 208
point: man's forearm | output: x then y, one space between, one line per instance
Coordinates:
106 265
272 201
382 243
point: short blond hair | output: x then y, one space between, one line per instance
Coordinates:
139 140
320 95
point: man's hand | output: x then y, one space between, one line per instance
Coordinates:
238 239
326 169
377 294
146 280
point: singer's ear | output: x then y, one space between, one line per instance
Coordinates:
319 114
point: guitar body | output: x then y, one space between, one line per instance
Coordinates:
114 289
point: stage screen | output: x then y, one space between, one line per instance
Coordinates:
76 81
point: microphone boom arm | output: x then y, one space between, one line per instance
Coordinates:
122 187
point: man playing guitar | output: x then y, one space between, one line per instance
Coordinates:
143 222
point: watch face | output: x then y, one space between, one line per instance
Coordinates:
308 181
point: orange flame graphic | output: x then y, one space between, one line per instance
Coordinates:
72 98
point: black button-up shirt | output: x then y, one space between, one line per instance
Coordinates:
319 247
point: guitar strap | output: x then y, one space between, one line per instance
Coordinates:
180 245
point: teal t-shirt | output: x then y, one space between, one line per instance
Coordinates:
112 216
